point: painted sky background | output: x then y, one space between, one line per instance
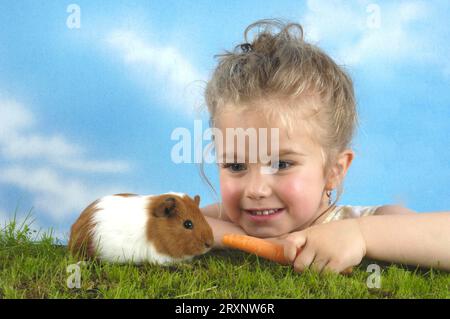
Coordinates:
89 111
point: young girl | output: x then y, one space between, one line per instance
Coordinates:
280 81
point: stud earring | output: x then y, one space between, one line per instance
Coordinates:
328 192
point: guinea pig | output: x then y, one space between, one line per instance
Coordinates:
159 229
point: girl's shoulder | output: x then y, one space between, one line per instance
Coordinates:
348 211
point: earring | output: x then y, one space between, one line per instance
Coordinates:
328 192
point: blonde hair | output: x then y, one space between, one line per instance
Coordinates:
278 63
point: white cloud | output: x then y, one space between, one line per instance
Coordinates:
162 67
403 32
46 166
21 140
13 117
53 193
332 20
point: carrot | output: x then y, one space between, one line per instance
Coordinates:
253 245
262 248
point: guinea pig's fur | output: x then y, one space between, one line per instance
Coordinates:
132 228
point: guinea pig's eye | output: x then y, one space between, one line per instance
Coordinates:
188 224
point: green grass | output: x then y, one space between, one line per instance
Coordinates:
33 265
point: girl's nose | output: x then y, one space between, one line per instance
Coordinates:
257 186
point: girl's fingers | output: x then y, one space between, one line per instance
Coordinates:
275 240
290 251
319 264
292 244
333 266
304 259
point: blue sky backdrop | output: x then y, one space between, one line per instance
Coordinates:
89 111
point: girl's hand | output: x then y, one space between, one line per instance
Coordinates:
220 227
333 246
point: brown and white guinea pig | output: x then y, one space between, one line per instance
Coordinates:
159 229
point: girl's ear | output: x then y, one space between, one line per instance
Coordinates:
339 169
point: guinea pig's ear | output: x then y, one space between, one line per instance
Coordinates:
167 208
197 200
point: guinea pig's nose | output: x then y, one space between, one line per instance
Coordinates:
208 243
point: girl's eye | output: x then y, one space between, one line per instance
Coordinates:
235 167
282 164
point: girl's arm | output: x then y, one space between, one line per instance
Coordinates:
220 223
415 239
220 228
213 210
393 210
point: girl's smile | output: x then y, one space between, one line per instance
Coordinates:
263 215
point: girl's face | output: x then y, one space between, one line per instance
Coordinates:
296 191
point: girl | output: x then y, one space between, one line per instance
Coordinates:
280 81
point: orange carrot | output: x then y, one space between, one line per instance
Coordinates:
253 245
262 248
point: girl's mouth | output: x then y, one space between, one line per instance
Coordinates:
263 215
